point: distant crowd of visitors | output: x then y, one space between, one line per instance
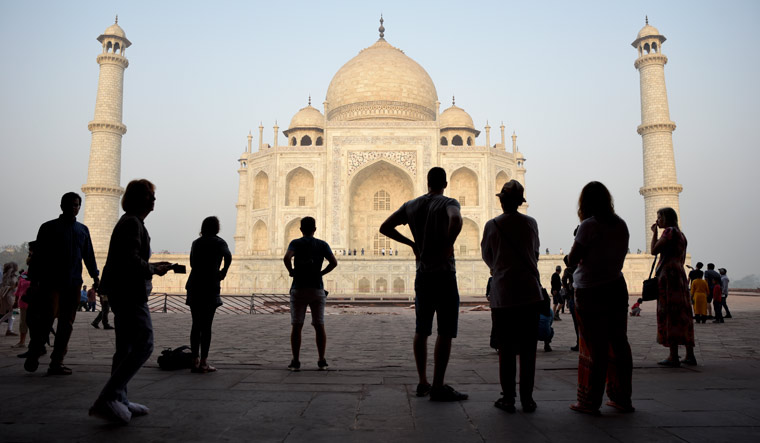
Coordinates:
592 288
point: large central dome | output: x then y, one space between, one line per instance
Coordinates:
381 83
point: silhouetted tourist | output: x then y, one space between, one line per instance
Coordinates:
696 273
105 308
567 285
435 222
601 303
55 271
724 289
712 277
674 314
8 294
83 299
545 321
203 289
556 283
717 304
510 248
23 329
127 279
636 308
91 299
698 293
303 261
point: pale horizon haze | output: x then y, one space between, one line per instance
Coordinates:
559 74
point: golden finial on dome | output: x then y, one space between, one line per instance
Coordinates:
309 99
646 19
381 28
453 101
116 21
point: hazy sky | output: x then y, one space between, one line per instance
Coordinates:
560 74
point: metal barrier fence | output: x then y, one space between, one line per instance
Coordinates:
232 304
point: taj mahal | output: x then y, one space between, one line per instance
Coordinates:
357 158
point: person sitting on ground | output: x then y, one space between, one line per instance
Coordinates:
204 288
636 308
699 298
308 289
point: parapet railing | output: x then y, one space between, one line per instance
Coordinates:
232 304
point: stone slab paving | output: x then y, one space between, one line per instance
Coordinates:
368 393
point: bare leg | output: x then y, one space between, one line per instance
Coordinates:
420 357
295 341
321 340
441 357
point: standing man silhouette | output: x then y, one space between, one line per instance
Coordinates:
435 222
55 271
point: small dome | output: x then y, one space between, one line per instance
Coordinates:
647 31
308 117
116 30
455 117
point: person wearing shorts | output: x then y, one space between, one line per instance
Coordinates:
303 261
435 222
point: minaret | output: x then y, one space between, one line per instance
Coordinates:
661 187
102 190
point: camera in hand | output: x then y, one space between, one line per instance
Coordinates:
179 269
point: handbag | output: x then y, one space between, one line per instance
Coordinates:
650 290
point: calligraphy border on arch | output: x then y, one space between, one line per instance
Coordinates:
405 159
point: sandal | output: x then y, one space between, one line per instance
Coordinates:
621 407
505 405
577 407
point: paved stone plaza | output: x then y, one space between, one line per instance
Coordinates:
368 393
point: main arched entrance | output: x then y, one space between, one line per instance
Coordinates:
375 192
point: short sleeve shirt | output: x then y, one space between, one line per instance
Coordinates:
309 254
428 220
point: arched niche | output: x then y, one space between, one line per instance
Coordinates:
299 188
292 231
381 285
305 140
363 285
260 238
398 285
463 186
444 141
456 141
501 178
261 191
363 219
468 242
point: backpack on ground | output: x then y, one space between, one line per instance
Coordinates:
178 358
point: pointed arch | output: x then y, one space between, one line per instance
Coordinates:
468 242
363 219
501 178
381 285
463 186
363 285
292 231
457 140
319 141
305 140
444 141
299 188
260 237
261 191
469 141
398 285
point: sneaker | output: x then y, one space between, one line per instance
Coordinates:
137 410
95 325
107 327
727 316
423 389
547 347
446 393
11 333
294 365
58 370
111 410
322 365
